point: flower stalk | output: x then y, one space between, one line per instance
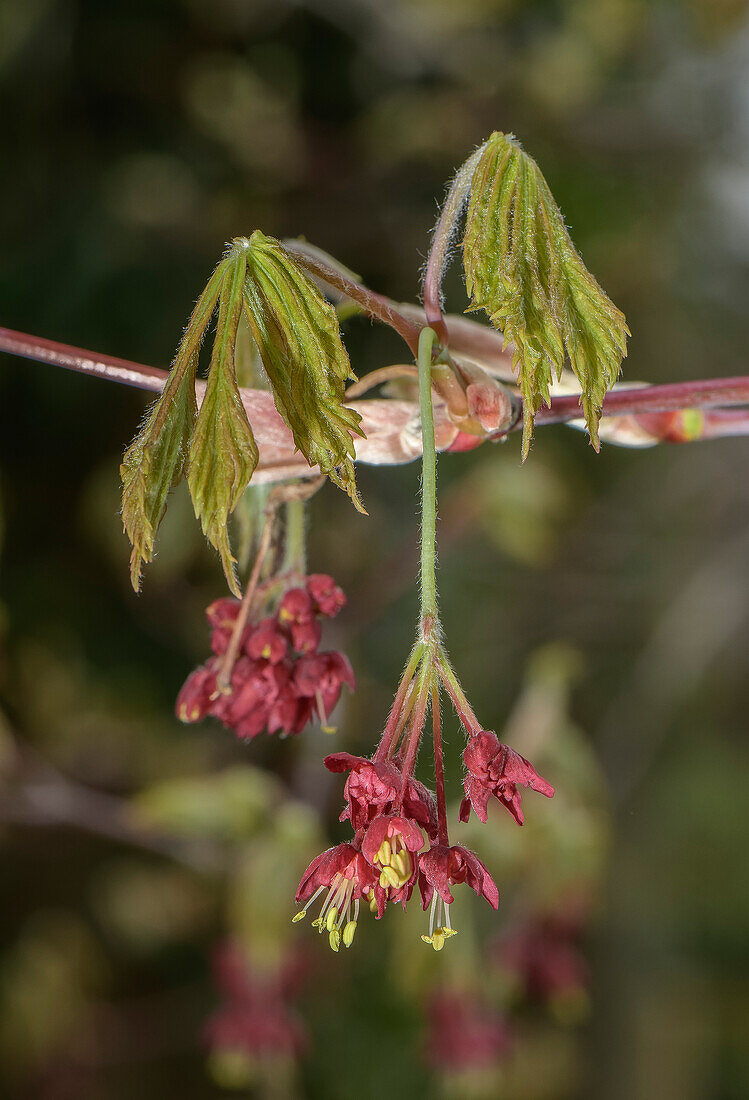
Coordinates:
463 708
429 613
393 815
439 768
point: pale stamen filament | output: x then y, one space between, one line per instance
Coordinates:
322 714
303 912
335 915
440 915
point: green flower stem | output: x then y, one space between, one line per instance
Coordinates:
464 710
295 550
429 614
223 679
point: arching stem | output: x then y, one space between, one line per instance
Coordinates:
463 708
444 234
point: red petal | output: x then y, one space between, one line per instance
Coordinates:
344 762
323 867
477 876
435 866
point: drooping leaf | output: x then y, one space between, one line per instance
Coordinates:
223 453
298 336
256 285
155 461
523 269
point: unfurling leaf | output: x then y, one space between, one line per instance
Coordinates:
223 453
298 337
256 285
155 461
523 269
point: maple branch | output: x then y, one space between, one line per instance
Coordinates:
703 394
77 359
392 427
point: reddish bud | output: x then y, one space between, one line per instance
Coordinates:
296 607
267 642
194 699
327 597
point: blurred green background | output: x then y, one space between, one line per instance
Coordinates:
138 137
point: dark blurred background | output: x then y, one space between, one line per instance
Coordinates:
610 592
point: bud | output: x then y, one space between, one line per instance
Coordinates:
523 269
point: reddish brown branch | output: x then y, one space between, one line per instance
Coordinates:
392 426
704 394
374 305
720 423
87 362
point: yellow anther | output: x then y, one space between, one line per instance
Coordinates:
331 917
426 939
348 933
372 904
384 853
438 940
265 652
316 923
446 932
335 939
398 862
299 916
329 729
391 878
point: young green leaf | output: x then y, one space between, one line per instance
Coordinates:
298 336
155 461
523 269
223 453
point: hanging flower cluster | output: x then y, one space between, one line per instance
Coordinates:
400 833
279 680
400 828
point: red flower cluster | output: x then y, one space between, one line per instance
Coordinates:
384 861
463 1033
280 682
256 1020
